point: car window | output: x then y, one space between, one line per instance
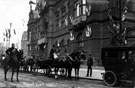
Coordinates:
122 55
110 55
131 55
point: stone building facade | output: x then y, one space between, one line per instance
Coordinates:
81 24
33 33
24 42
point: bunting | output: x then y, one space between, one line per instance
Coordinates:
4 39
71 36
88 31
88 10
9 33
60 24
71 19
6 33
66 22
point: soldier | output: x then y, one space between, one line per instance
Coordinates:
11 51
89 64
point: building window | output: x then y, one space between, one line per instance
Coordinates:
78 10
80 7
83 6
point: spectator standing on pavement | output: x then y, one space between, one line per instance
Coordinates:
52 51
89 65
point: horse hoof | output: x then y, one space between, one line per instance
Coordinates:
12 81
17 80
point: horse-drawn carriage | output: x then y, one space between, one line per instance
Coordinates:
119 64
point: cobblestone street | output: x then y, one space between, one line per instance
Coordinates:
40 81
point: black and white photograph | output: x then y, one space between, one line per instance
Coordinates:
67 43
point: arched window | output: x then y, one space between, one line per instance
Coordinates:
83 6
78 10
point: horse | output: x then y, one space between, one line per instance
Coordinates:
45 65
62 64
13 63
76 62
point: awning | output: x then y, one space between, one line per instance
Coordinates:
42 41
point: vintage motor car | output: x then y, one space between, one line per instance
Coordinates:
119 64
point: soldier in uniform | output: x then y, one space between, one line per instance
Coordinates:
11 51
11 55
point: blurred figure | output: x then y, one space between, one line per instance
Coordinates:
89 65
11 51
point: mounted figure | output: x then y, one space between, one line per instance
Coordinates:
11 61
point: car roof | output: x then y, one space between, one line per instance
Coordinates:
119 48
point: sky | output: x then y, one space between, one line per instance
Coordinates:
17 13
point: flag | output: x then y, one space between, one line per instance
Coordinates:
88 9
4 39
14 32
43 3
71 36
9 33
6 33
59 23
31 2
10 25
71 19
88 31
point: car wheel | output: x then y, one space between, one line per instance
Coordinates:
110 78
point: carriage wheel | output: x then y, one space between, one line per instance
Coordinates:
110 78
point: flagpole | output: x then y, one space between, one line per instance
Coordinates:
10 33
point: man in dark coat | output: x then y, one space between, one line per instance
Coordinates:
11 51
52 51
89 65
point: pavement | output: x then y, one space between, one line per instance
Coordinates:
96 73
